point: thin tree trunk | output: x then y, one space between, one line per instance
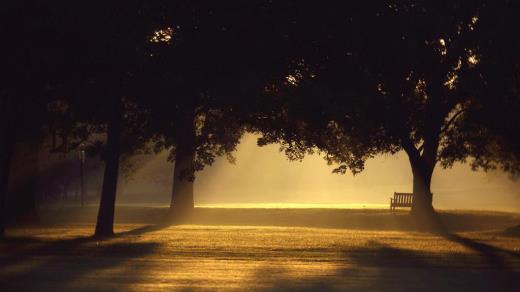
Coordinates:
105 219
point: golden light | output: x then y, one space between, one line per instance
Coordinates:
443 48
473 60
451 83
458 66
474 21
420 87
292 79
163 35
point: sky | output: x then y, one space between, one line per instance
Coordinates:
264 175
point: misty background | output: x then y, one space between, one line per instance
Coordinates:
264 175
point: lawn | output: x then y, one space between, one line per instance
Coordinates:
242 250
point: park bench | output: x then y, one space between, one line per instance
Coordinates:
401 200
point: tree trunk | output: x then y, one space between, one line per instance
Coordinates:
183 173
6 152
422 176
422 165
425 217
105 219
5 165
24 183
22 186
182 190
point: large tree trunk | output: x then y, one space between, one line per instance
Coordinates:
7 141
422 177
23 185
5 165
182 190
183 177
423 165
105 219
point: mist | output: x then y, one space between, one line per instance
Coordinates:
263 175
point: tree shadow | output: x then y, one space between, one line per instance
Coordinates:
378 267
30 263
493 253
143 230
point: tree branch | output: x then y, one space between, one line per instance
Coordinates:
452 120
409 147
420 149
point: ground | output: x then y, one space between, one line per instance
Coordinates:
220 255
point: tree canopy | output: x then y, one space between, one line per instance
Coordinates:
437 80
381 78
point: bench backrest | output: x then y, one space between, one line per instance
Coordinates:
403 198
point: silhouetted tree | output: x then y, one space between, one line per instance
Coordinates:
30 60
492 128
102 44
376 78
6 149
206 60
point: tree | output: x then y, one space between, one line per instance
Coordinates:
205 59
492 129
377 78
6 149
24 94
103 55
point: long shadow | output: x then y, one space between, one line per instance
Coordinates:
399 267
27 262
30 246
143 230
493 253
494 257
36 264
378 267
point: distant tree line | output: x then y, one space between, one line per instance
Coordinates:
438 80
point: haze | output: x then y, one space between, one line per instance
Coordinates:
262 176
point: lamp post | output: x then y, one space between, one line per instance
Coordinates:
82 173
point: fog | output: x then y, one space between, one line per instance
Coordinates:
264 175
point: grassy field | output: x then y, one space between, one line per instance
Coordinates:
221 249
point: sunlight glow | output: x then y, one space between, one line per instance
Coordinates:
293 206
451 83
443 48
292 80
473 59
163 35
474 21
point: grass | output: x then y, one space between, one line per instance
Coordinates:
221 249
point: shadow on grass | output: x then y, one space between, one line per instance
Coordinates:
494 256
143 230
29 263
378 267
